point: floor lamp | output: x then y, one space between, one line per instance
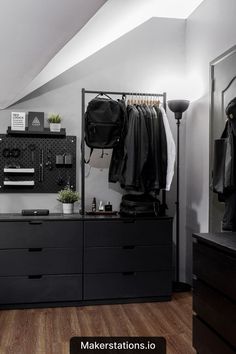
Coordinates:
178 107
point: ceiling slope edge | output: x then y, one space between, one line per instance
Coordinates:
102 29
113 20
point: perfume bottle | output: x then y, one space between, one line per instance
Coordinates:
94 205
108 206
101 207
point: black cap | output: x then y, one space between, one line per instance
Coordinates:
231 109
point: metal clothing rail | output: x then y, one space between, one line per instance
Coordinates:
117 93
125 93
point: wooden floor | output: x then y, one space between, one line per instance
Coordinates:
47 331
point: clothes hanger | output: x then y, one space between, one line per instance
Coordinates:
131 99
124 99
143 99
156 101
138 99
103 94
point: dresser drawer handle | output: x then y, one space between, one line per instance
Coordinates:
35 222
35 249
128 273
35 276
128 247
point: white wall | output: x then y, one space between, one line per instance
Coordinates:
210 31
148 59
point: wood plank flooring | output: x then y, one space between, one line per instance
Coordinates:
47 331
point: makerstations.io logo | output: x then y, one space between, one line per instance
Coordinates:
80 345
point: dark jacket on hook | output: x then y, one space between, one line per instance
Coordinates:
224 167
224 162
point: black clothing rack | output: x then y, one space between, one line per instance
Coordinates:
123 95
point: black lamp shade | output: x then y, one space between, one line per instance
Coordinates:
178 107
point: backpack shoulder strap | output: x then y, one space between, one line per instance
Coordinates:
90 154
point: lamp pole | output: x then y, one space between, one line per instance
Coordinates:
178 107
177 203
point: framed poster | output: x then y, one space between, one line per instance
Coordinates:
36 121
17 120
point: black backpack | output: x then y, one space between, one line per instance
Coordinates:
104 122
139 205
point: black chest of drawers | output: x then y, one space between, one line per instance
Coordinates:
54 260
127 259
40 261
214 296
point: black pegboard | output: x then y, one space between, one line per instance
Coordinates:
66 174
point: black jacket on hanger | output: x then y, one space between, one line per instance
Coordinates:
155 169
135 150
142 163
160 148
149 173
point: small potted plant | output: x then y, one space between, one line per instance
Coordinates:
55 123
68 197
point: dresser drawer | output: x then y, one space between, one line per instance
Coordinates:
205 341
45 289
38 261
127 258
215 309
127 285
127 232
41 234
216 268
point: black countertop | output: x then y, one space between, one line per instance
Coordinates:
75 216
223 240
51 216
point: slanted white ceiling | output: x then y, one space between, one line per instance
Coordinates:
31 33
33 53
